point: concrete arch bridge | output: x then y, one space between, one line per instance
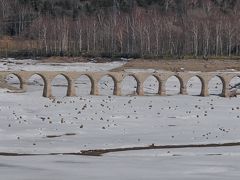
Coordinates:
118 77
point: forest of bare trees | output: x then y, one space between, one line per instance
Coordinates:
118 28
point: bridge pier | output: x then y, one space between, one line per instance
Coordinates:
204 90
117 89
226 90
47 90
226 93
71 92
140 90
23 85
94 88
183 79
162 88
183 90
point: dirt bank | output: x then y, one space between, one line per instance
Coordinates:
180 65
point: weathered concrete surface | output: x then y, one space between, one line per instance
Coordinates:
118 77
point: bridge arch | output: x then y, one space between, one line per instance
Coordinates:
216 85
151 85
234 84
234 81
84 84
60 85
195 85
40 75
129 84
14 80
34 79
107 84
64 75
173 85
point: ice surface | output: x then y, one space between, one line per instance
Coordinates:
106 121
34 65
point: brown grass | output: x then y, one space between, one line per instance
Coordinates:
183 65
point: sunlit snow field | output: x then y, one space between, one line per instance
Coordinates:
92 122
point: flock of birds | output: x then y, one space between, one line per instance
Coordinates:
79 116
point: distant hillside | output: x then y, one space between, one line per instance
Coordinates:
73 7
120 28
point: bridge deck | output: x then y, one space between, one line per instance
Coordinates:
118 77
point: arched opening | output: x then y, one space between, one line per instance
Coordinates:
59 86
106 85
13 81
215 86
235 84
194 86
83 85
129 86
173 85
151 86
36 84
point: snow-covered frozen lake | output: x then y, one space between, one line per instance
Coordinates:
36 125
